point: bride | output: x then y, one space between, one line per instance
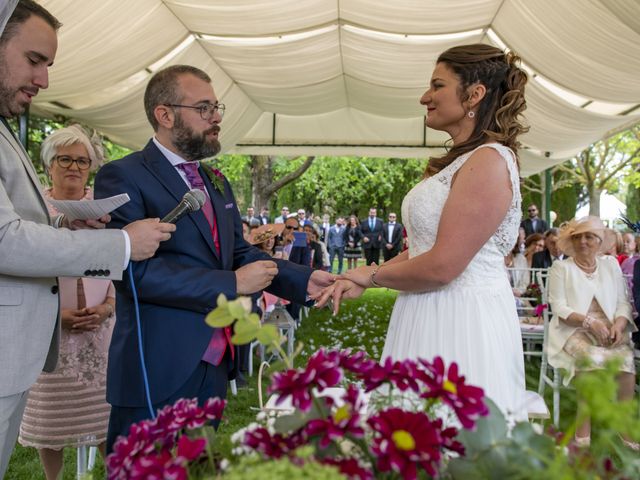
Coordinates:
462 219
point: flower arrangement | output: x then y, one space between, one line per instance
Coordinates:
394 441
391 435
533 291
157 448
216 177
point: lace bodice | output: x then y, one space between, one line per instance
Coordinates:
422 208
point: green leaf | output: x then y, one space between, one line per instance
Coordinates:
489 431
242 338
219 318
290 423
236 310
268 334
222 300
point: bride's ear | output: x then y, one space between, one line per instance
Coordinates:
476 93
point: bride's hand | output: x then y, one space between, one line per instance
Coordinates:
360 276
341 289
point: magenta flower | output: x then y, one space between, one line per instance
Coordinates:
321 371
358 362
273 446
404 441
466 400
137 452
160 466
540 308
345 421
402 374
190 449
350 468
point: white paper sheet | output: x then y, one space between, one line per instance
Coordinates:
89 209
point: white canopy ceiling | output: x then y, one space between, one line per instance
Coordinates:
340 77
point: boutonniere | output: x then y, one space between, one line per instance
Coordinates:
216 177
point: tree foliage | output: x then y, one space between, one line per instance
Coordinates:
603 165
336 185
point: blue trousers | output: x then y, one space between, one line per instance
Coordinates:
205 382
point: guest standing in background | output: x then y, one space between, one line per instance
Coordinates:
533 224
371 228
392 241
67 407
352 238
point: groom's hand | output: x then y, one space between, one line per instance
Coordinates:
318 281
341 289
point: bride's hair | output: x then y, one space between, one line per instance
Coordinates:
497 114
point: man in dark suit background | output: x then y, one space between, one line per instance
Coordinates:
533 224
392 242
551 252
207 256
371 228
264 216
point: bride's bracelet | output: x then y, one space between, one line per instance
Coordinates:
372 278
587 322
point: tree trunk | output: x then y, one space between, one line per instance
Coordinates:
261 178
594 201
262 184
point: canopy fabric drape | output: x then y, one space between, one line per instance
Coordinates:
344 77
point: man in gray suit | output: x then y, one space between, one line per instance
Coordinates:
32 252
335 244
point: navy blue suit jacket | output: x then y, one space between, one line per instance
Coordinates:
180 284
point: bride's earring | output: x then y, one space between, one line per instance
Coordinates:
471 114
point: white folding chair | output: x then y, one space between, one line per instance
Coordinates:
85 460
532 334
553 378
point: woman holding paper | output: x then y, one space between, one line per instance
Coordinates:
67 407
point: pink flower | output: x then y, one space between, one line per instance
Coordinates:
345 421
540 308
466 400
402 374
190 449
350 468
273 446
160 466
358 362
321 371
137 452
404 441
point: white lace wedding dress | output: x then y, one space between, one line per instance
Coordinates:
472 320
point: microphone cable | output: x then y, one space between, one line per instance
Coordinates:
143 365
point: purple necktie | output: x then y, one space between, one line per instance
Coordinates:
194 178
221 337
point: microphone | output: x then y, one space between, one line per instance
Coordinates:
192 201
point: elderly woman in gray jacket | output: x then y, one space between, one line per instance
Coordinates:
591 312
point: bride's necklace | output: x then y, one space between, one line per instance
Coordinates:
588 270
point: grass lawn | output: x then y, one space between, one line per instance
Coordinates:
361 324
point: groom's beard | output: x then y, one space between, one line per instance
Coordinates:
194 146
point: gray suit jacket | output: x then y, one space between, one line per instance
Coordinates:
32 255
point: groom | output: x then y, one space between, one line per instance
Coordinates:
206 257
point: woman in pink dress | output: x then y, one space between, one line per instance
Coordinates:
67 407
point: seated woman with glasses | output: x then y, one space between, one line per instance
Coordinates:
67 407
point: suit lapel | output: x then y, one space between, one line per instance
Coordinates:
167 175
217 202
26 162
